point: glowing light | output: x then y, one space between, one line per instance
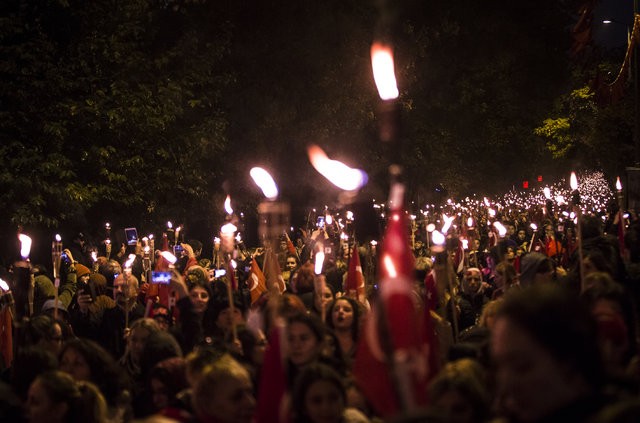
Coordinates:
437 237
547 193
25 245
4 285
169 257
534 226
390 267
470 222
228 229
447 223
94 256
431 227
169 225
502 231
383 71
130 260
265 182
573 182
227 205
329 219
319 262
58 238
618 184
338 173
349 215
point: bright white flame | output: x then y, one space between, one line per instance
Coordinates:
227 205
465 244
169 257
349 215
234 264
265 182
373 242
25 245
547 193
58 238
534 226
150 236
431 227
492 213
573 181
130 261
618 184
319 262
437 238
238 238
329 219
383 71
470 222
447 223
391 268
216 240
94 256
4 285
169 225
107 225
502 231
344 236
336 172
228 228
560 200
486 202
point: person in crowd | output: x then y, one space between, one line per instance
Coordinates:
505 278
86 360
43 331
319 396
224 393
55 397
115 321
28 363
290 267
460 392
139 333
536 268
305 337
87 310
344 318
472 298
546 357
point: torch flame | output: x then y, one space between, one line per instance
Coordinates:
58 238
431 227
4 285
447 223
129 262
534 226
437 237
573 182
227 205
336 172
25 245
228 228
319 262
547 193
502 231
618 184
470 222
391 268
169 257
169 225
265 182
383 71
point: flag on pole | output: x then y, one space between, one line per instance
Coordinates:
257 281
392 361
354 286
273 399
272 272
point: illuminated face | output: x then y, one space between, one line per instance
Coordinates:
125 288
199 298
342 314
291 263
324 299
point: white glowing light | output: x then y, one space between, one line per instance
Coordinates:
94 256
502 231
58 238
383 71
169 225
25 245
560 200
169 257
492 213
227 205
470 222
465 244
390 267
228 228
265 182
319 262
431 227
618 184
349 215
534 226
329 219
130 261
238 238
547 193
4 285
437 238
573 182
447 223
338 173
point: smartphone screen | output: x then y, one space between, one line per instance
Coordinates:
177 250
161 277
320 223
132 236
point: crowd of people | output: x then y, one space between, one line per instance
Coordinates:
534 324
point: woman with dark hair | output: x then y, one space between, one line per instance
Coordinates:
305 337
343 318
319 396
55 397
85 360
